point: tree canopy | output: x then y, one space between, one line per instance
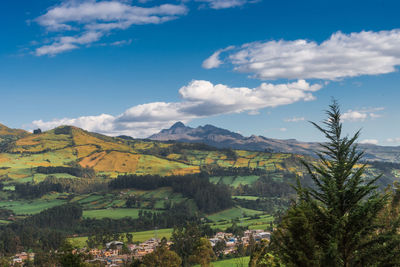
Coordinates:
337 221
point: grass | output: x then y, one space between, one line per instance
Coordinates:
263 222
235 262
235 181
111 213
232 213
137 236
30 207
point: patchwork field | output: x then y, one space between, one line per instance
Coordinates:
110 156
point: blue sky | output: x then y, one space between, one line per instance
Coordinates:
256 67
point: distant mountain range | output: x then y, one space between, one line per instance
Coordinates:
222 138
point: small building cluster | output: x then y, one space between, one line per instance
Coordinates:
22 257
113 254
231 242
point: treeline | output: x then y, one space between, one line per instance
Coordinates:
74 171
61 185
268 205
29 190
43 231
177 215
207 196
232 171
267 186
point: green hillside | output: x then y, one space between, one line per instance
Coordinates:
68 165
70 146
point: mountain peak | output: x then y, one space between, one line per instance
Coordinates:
178 124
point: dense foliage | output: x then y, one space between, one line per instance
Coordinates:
77 171
53 184
207 196
337 222
44 231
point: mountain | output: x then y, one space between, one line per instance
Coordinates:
222 138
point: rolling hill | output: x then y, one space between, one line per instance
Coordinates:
69 146
109 156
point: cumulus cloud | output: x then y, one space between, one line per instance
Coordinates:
90 20
294 119
199 99
222 4
362 114
369 141
340 56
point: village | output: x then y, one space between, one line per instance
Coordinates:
114 253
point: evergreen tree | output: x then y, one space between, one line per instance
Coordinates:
336 221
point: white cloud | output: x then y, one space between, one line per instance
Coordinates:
213 61
121 43
222 4
199 99
362 114
90 20
294 119
66 43
369 141
54 49
342 55
283 129
393 140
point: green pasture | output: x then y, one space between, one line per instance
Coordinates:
262 223
233 213
25 207
234 181
111 213
235 262
137 236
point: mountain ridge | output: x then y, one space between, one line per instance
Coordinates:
222 138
